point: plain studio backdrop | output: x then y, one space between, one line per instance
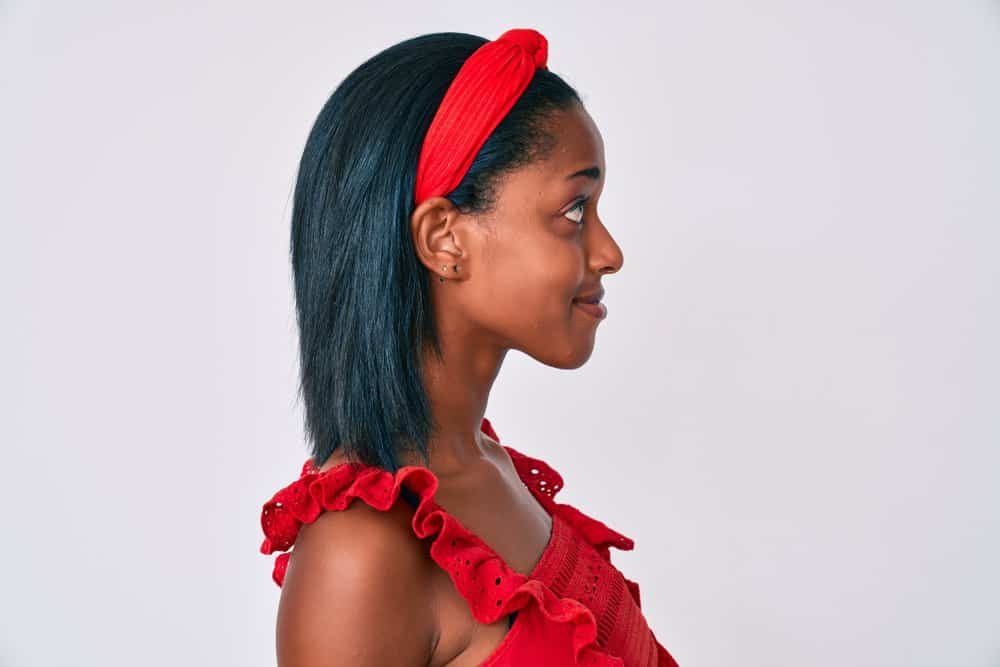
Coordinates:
792 407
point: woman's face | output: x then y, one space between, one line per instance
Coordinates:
521 266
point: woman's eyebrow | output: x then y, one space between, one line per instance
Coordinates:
590 172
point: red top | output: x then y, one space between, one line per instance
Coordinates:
575 608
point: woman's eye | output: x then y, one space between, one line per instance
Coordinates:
577 207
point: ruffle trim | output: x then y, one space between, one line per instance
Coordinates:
490 587
544 482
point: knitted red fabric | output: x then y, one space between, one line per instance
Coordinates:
575 608
487 85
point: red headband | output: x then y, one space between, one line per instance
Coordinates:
488 84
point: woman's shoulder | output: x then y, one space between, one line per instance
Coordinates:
359 527
370 539
363 567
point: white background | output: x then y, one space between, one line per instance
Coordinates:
792 407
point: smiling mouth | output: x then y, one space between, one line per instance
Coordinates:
594 309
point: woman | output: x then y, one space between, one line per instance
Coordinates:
445 212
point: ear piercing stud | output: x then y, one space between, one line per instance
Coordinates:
444 267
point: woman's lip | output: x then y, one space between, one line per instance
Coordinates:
596 310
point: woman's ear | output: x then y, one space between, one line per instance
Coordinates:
437 227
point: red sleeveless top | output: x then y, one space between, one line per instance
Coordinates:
575 608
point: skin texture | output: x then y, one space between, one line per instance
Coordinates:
361 589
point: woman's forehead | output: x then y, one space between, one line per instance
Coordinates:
578 144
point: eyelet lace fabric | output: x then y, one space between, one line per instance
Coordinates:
574 608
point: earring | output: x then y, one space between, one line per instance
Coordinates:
454 267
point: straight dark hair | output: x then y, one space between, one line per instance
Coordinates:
362 296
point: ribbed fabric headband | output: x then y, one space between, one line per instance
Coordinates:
486 87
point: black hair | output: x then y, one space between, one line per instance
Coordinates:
362 296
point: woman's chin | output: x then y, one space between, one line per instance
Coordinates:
568 358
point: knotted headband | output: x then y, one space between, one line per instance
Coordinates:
486 87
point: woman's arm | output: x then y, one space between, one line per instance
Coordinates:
356 592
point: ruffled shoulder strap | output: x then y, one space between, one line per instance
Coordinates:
490 587
480 574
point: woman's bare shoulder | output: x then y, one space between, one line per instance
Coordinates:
357 591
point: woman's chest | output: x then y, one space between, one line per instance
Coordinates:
502 513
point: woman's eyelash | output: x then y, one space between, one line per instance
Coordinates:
578 204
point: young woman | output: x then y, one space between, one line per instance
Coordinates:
445 212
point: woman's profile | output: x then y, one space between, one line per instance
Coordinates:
445 212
